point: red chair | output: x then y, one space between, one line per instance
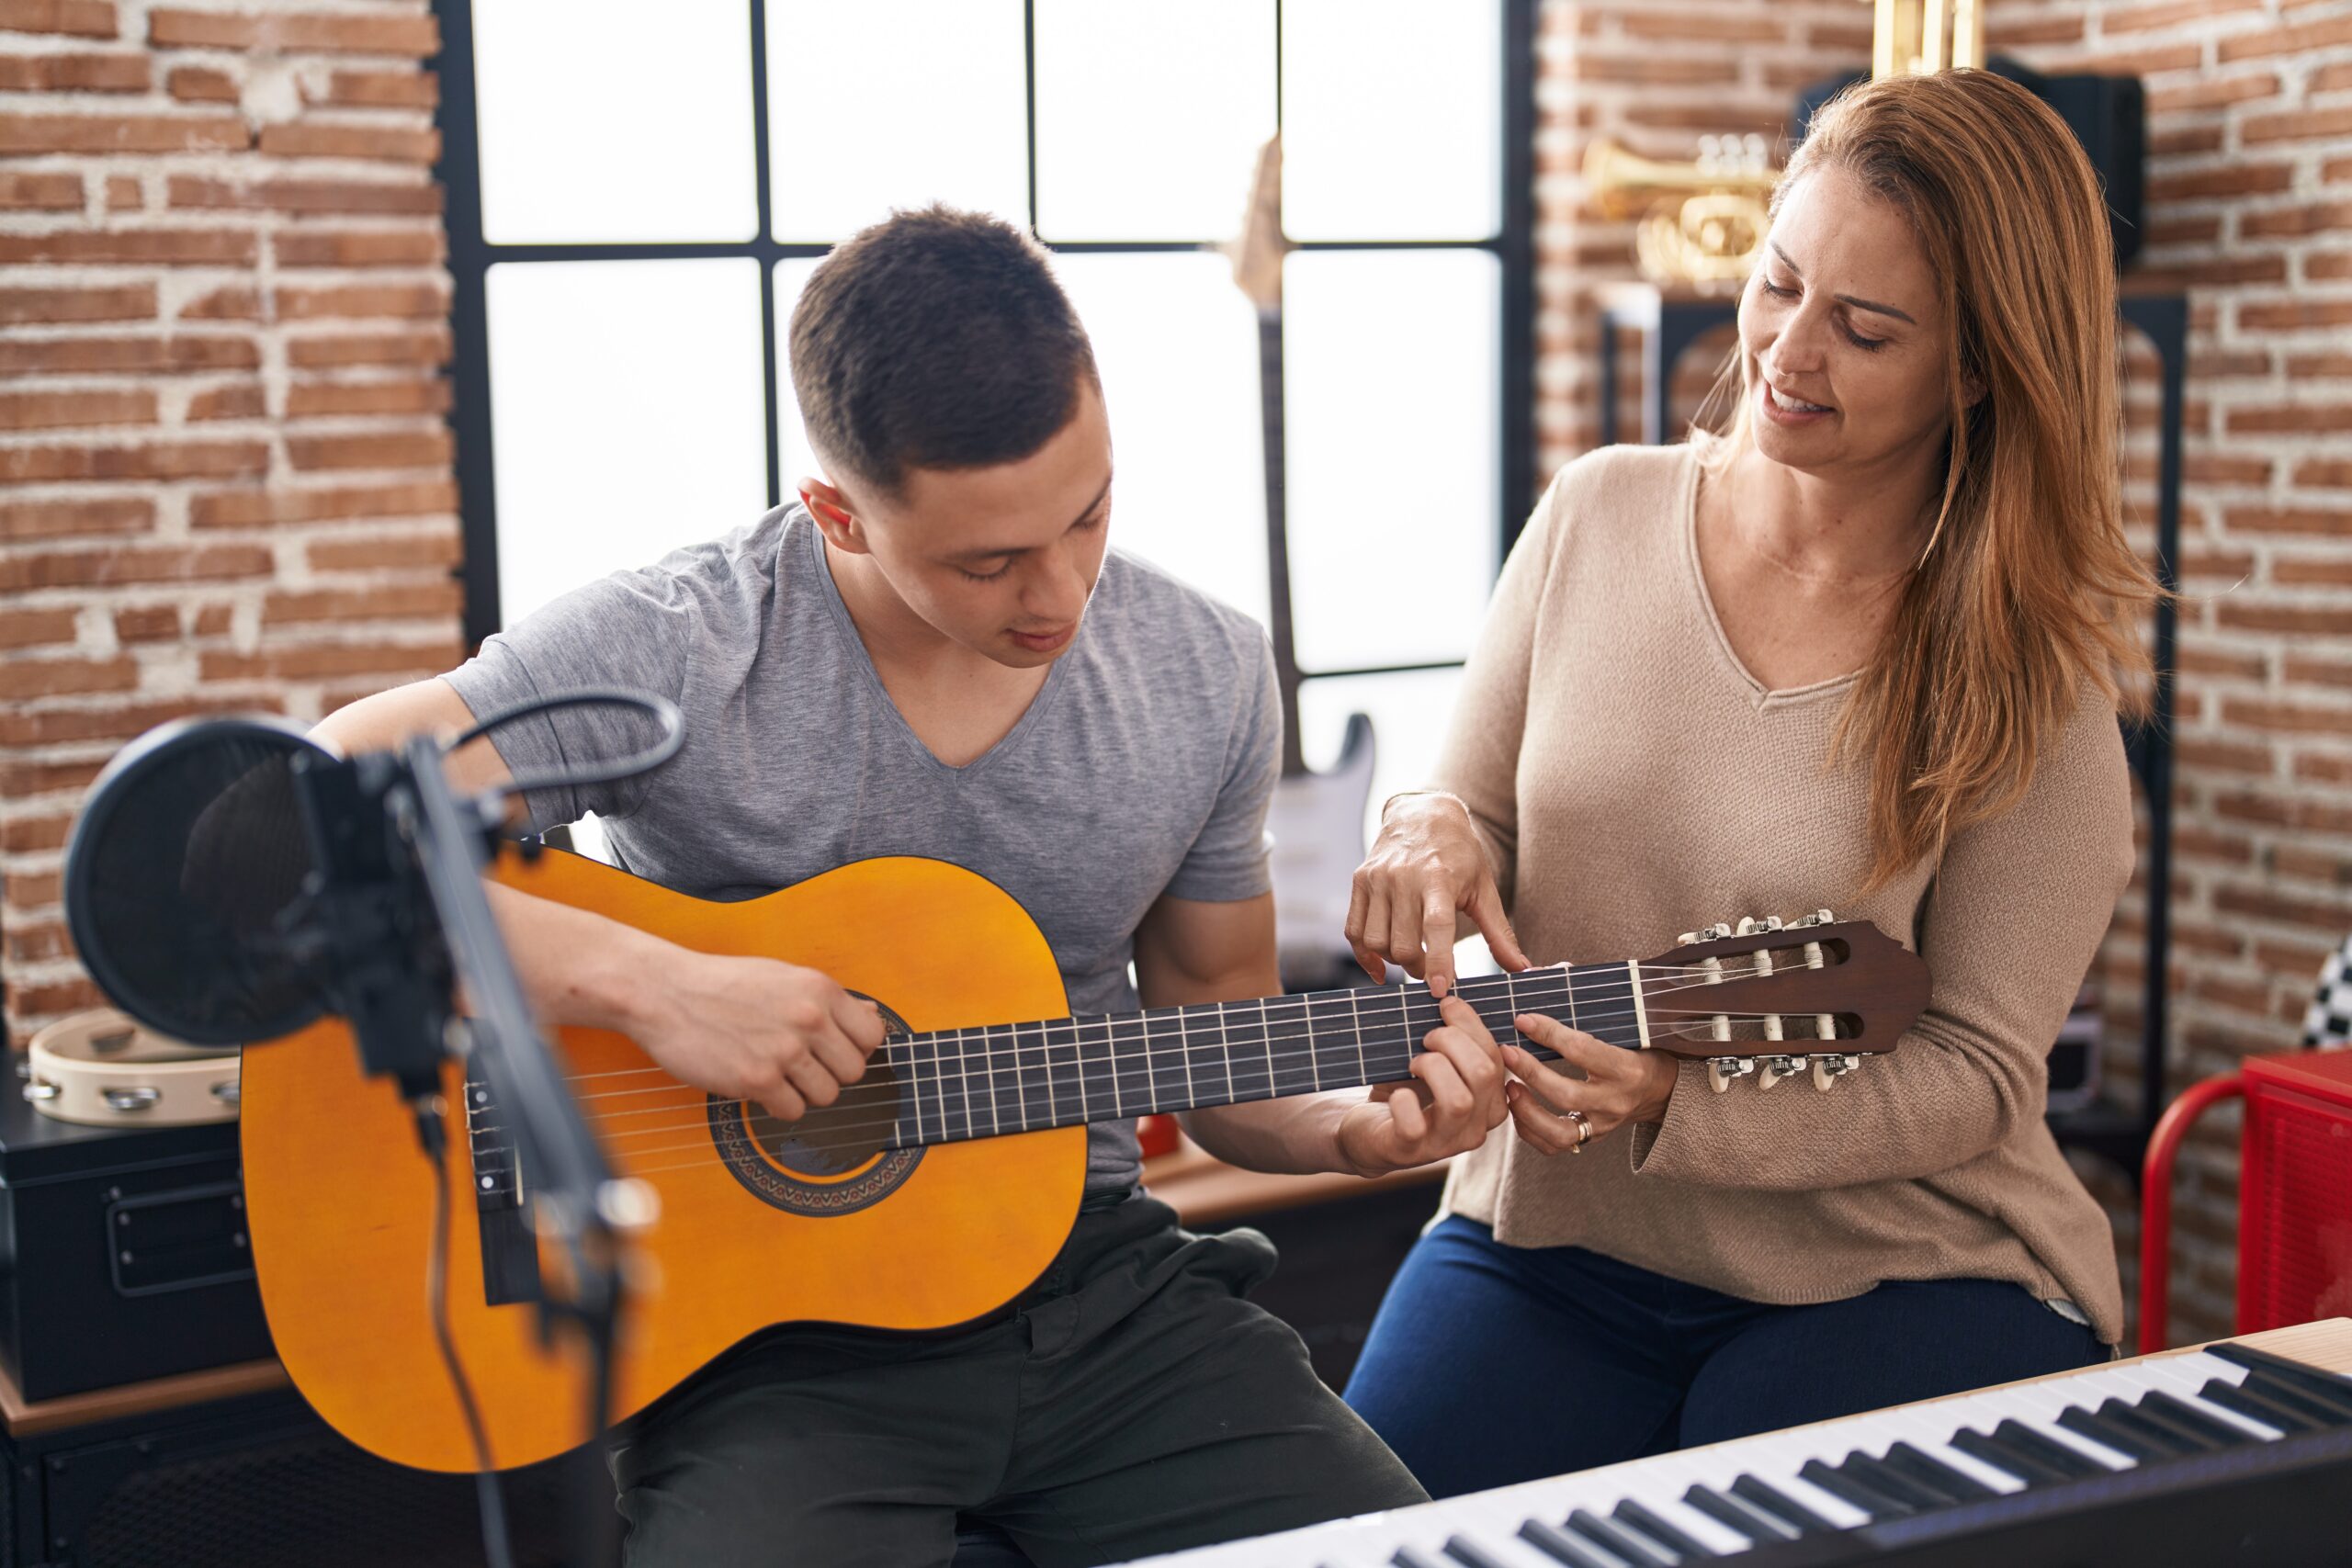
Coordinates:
2294 1192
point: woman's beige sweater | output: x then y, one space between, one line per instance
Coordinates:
1634 781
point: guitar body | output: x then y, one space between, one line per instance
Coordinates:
340 1200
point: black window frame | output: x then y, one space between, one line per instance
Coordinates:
471 256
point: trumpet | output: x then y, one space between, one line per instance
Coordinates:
1703 221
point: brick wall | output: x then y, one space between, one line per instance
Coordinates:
225 480
2250 208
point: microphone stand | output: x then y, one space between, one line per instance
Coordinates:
400 859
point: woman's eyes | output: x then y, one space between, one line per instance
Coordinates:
1857 339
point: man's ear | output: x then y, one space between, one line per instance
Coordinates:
830 508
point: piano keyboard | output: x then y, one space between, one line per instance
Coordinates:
2113 1438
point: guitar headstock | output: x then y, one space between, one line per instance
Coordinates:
1257 252
1771 999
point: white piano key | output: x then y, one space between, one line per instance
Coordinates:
1777 1467
2041 1412
1933 1438
1661 1489
2152 1375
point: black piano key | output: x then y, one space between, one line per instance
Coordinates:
1561 1547
1930 1471
1853 1490
2331 1391
2295 1397
2156 1428
2069 1462
1470 1554
2006 1458
1407 1557
1633 1515
2114 1435
1781 1505
2180 1413
1869 1472
1595 1528
2246 1402
1763 1528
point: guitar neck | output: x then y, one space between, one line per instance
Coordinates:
1020 1078
1279 630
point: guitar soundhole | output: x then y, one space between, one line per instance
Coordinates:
830 1162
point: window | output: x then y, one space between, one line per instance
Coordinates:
634 208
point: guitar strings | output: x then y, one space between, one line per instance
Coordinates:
708 1155
990 1057
959 1035
835 1127
1684 973
989 1053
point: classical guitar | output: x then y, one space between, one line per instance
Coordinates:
933 1190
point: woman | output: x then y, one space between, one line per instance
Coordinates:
1864 649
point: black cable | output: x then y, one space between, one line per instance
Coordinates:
662 710
432 1132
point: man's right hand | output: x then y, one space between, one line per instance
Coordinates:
755 1028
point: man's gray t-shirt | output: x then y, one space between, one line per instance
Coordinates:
1142 767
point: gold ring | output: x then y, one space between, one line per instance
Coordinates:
1584 1131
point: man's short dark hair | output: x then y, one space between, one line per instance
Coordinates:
937 339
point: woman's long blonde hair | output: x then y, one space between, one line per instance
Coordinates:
2027 594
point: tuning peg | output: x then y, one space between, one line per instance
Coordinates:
1751 925
1827 1070
1718 932
1721 1070
1778 1070
1686 939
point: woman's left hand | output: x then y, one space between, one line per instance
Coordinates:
1618 1086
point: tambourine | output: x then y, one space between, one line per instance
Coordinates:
101 1070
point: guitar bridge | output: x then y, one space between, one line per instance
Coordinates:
509 1253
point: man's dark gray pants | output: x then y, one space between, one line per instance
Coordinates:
1130 1401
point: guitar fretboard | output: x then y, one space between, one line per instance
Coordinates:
1018 1078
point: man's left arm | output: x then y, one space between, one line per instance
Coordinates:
1189 950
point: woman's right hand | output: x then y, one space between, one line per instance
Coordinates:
755 1028
1426 865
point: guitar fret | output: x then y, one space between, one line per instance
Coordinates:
1245 1059
1224 1048
963 1100
1363 1069
1266 1036
994 1065
1313 1066
1184 1044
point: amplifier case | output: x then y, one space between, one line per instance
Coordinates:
123 1254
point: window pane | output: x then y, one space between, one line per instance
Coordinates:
1409 712
1390 381
800 460
894 102
1150 116
1392 118
627 407
1178 348
597 127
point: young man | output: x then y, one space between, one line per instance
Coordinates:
934 654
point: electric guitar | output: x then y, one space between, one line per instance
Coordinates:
932 1190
